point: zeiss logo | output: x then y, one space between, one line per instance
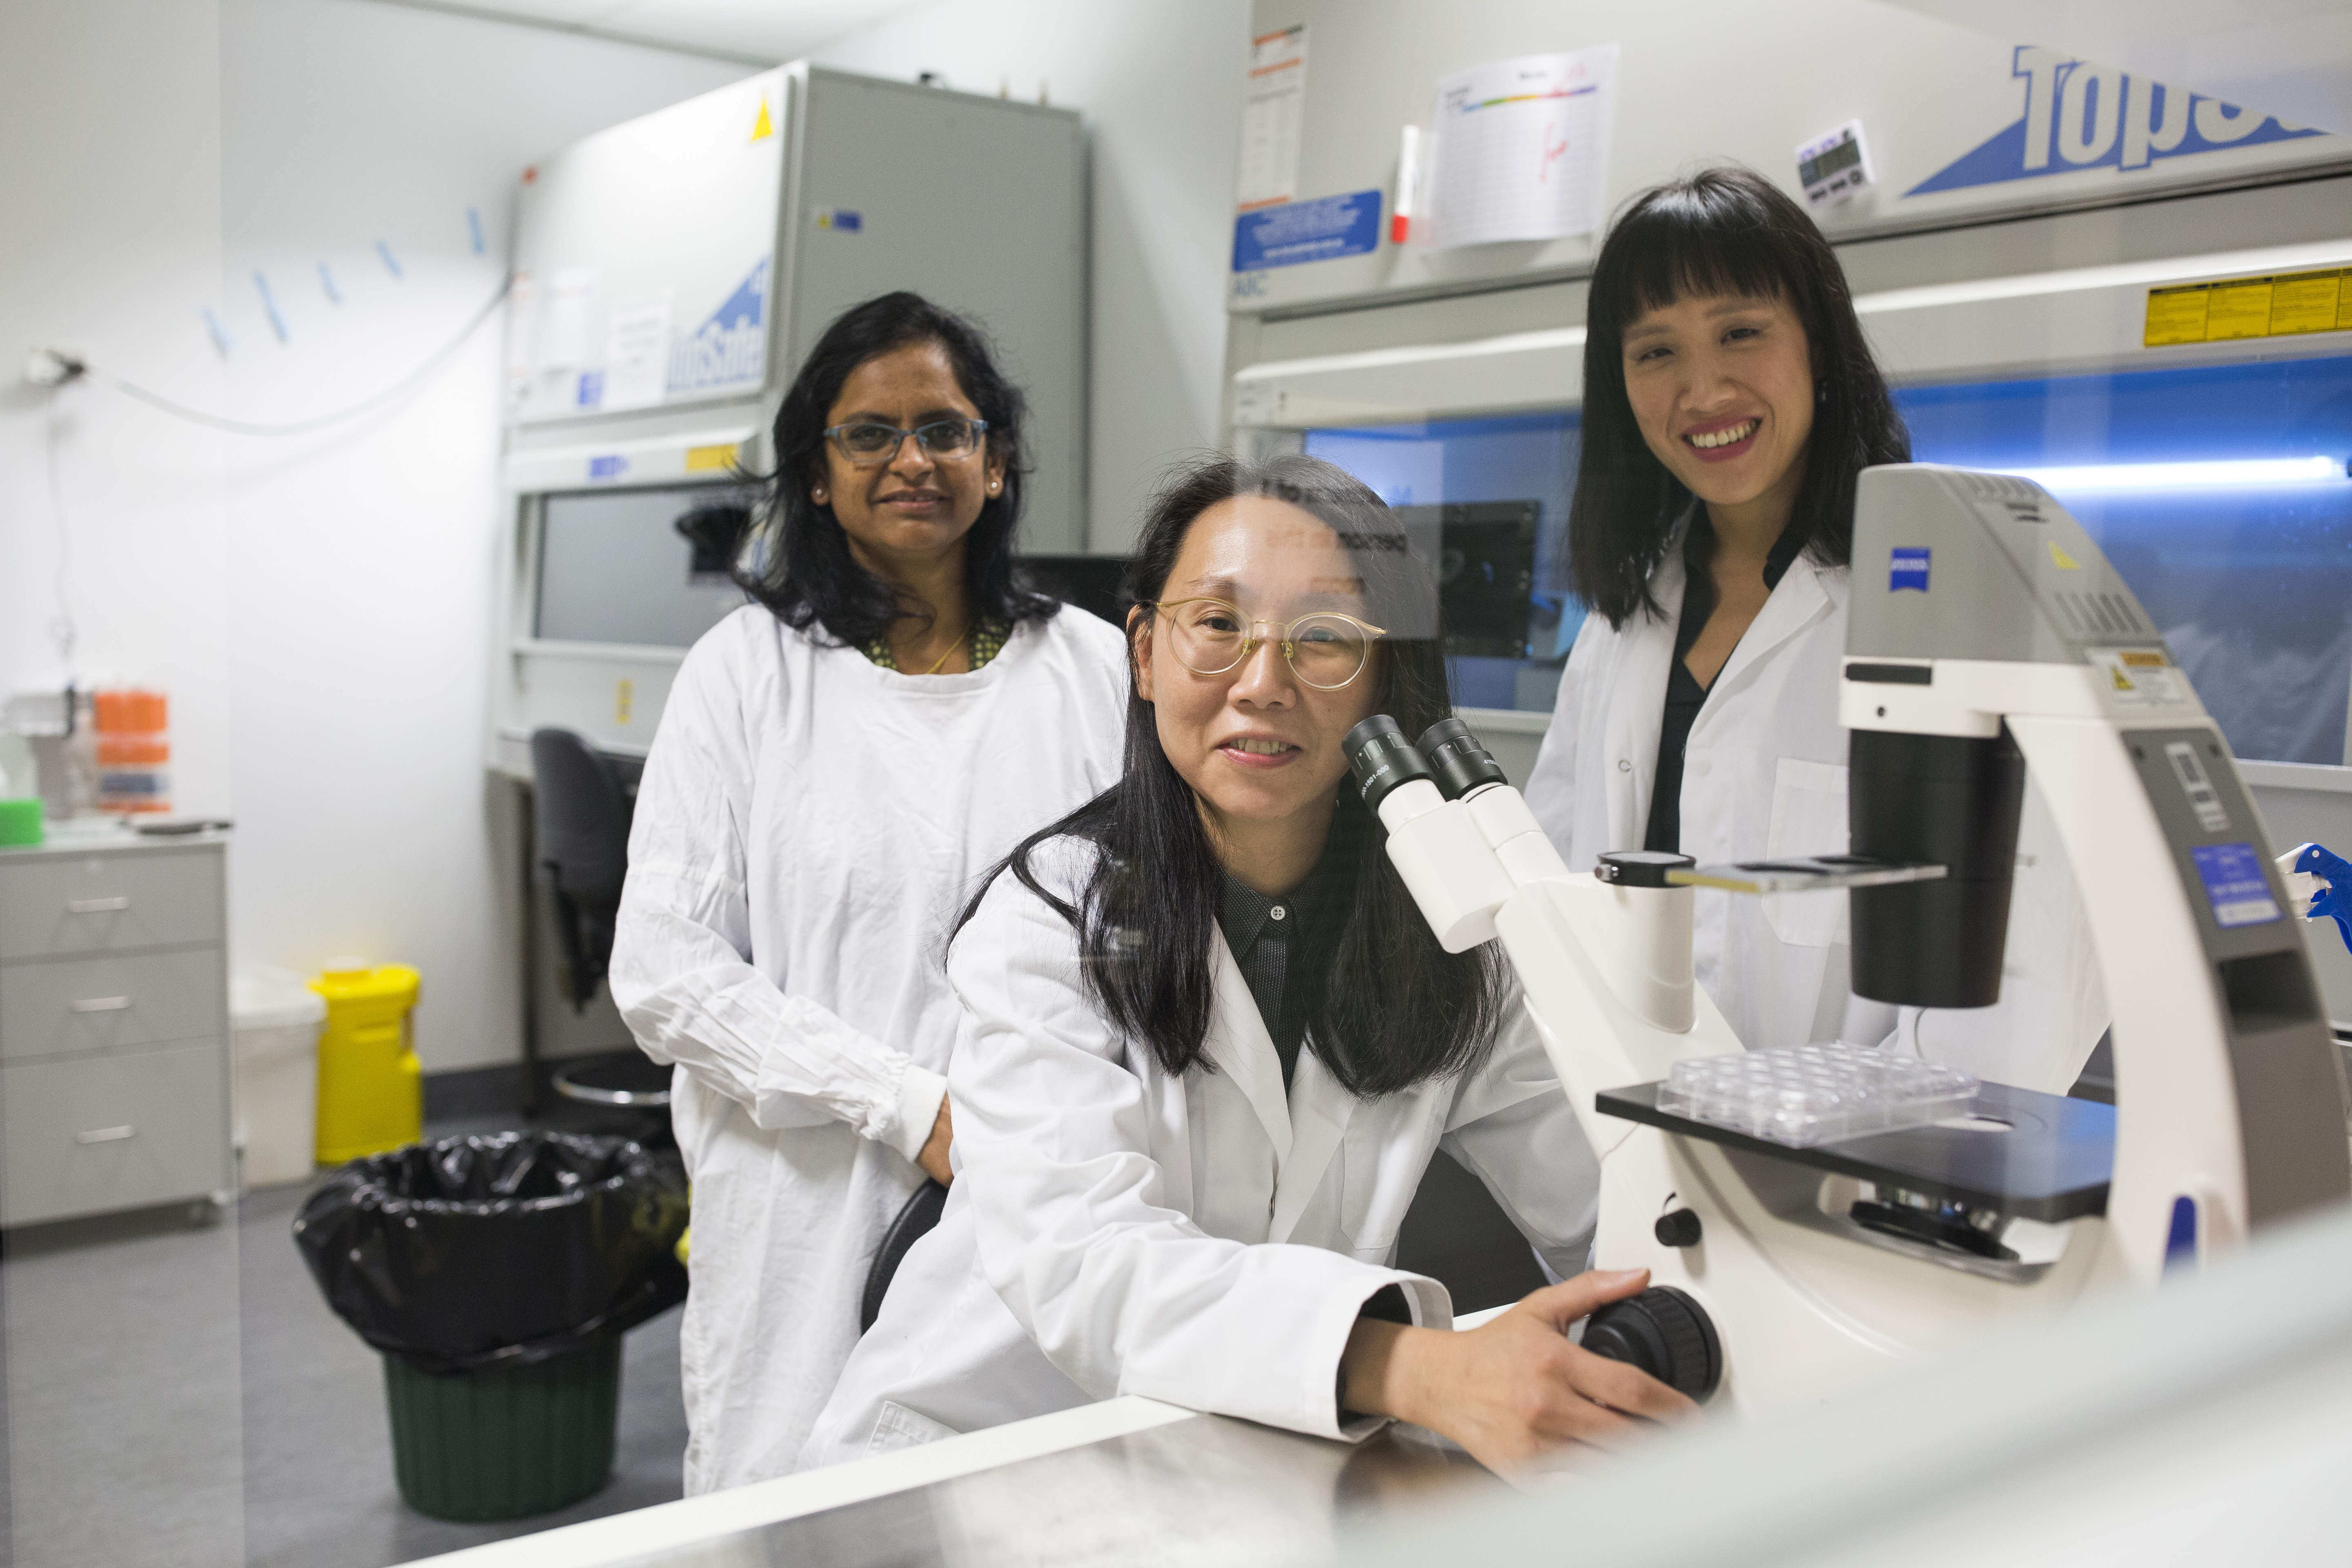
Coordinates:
1908 569
2082 116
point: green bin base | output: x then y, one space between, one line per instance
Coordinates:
508 1443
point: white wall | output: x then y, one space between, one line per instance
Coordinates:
1160 87
111 182
318 608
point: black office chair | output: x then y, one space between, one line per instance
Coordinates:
580 821
913 1221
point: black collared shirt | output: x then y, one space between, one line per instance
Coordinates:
1267 935
1684 695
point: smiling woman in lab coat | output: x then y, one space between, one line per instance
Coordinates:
1210 1046
834 765
1730 404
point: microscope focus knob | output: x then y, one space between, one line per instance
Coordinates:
1678 1227
1664 1332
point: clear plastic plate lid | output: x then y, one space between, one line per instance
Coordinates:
1804 1095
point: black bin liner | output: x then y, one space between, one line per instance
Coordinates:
496 1249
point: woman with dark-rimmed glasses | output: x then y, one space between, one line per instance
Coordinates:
834 763
1210 1046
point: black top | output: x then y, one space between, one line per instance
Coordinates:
1684 695
1265 935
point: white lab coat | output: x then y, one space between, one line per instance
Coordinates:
1764 775
806 830
1202 1239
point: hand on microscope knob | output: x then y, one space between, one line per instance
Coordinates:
1516 1391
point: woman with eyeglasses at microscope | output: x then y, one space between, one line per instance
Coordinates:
833 765
1210 1045
1730 401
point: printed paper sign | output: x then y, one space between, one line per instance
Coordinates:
637 354
1319 230
1272 112
2234 885
1522 148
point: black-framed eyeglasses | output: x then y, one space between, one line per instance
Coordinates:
869 444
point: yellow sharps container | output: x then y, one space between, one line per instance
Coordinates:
371 1090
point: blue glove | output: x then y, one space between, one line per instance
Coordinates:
2334 900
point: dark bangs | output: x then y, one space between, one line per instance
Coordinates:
1717 232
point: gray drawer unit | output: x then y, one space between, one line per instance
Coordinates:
114 1069
94 1004
99 901
115 1131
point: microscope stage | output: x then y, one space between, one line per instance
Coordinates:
2050 1163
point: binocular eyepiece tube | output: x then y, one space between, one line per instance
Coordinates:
1448 755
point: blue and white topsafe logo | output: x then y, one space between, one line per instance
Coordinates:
2084 116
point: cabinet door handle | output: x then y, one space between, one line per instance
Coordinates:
101 1005
96 906
105 1134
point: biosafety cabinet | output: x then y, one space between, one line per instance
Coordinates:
2132 290
670 274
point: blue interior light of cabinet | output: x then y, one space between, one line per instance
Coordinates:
2250 584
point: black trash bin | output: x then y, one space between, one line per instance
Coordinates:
497 1273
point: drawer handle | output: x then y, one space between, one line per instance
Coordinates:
105 1134
101 1005
96 906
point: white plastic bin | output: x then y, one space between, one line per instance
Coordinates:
275 1019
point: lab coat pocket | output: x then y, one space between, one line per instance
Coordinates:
1808 818
899 1428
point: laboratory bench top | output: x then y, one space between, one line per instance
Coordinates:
1126 1480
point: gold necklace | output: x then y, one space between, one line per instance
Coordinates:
950 654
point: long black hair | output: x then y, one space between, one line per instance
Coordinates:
809 576
1386 1007
1719 231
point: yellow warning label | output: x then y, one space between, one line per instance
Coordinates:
2123 682
2238 310
2059 559
702 459
2142 658
623 694
2305 302
2281 305
763 127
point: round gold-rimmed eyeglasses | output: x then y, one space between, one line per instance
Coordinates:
1212 637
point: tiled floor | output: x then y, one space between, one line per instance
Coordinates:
180 1395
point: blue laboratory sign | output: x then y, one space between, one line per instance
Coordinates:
1321 230
2084 116
1908 569
2234 885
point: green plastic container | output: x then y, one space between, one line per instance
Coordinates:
505 1444
20 821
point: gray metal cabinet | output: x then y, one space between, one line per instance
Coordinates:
114 1069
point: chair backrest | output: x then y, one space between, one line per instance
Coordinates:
580 819
580 815
913 1221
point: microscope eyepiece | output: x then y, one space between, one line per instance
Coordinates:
1381 759
1459 758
